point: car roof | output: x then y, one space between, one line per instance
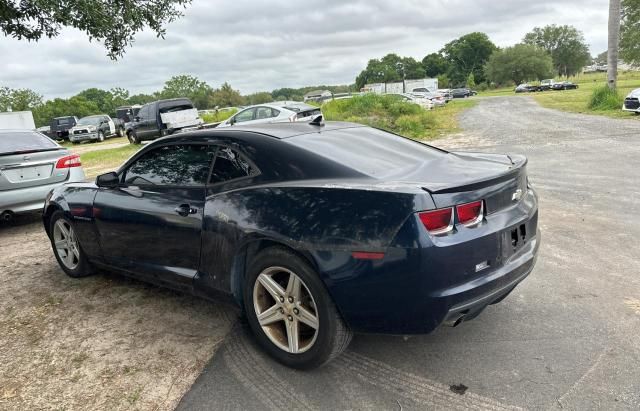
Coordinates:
277 130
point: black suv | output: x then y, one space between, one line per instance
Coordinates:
60 127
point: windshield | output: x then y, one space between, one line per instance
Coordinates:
24 141
89 121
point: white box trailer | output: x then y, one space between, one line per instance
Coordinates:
406 86
17 120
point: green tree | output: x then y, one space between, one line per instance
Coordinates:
258 98
103 99
468 54
630 32
141 99
519 63
565 44
19 99
435 65
188 86
388 69
601 58
78 106
113 23
225 96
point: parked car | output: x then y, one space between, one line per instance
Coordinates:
31 164
162 118
462 93
422 102
278 112
446 93
437 99
60 126
564 85
317 230
526 88
546 84
632 102
96 128
127 113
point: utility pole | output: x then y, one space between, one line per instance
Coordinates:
614 39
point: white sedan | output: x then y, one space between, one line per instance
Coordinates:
632 102
278 112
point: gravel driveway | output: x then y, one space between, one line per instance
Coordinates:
568 337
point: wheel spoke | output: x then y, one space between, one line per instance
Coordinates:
61 244
63 230
68 258
270 315
74 248
307 317
292 336
293 286
271 286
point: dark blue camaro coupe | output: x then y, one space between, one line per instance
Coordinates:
316 230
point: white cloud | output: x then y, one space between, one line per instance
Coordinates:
266 45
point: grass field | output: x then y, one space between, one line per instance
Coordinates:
577 100
391 114
102 161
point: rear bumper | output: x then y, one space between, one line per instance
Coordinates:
29 199
418 287
76 138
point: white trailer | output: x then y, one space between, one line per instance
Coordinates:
429 83
17 120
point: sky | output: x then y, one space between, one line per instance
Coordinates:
261 46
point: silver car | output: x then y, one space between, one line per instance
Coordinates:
278 112
31 165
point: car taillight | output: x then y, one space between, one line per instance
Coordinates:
470 213
437 221
69 161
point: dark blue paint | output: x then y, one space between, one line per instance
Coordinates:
323 209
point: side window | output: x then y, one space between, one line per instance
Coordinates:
274 112
185 165
230 165
144 112
246 115
265 112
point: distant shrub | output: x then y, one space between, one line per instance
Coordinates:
604 98
385 112
219 116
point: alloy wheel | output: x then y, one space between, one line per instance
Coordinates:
286 310
66 244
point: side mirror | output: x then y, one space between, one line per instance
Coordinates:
232 120
108 180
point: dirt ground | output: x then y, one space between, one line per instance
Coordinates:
102 342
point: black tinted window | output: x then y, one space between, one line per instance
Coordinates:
145 112
230 165
172 165
13 141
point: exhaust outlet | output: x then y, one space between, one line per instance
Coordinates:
454 321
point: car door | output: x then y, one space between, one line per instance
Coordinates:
151 224
145 126
245 116
111 126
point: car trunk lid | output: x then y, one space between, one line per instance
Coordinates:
31 168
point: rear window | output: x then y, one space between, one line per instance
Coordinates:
19 141
368 150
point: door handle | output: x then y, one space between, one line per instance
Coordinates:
185 209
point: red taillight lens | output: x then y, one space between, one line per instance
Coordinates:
437 221
470 213
69 161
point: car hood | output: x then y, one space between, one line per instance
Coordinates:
634 93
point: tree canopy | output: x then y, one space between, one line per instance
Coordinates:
435 64
466 55
519 63
113 23
565 44
198 91
630 32
388 69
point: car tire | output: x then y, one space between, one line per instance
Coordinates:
100 136
133 138
66 247
292 312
